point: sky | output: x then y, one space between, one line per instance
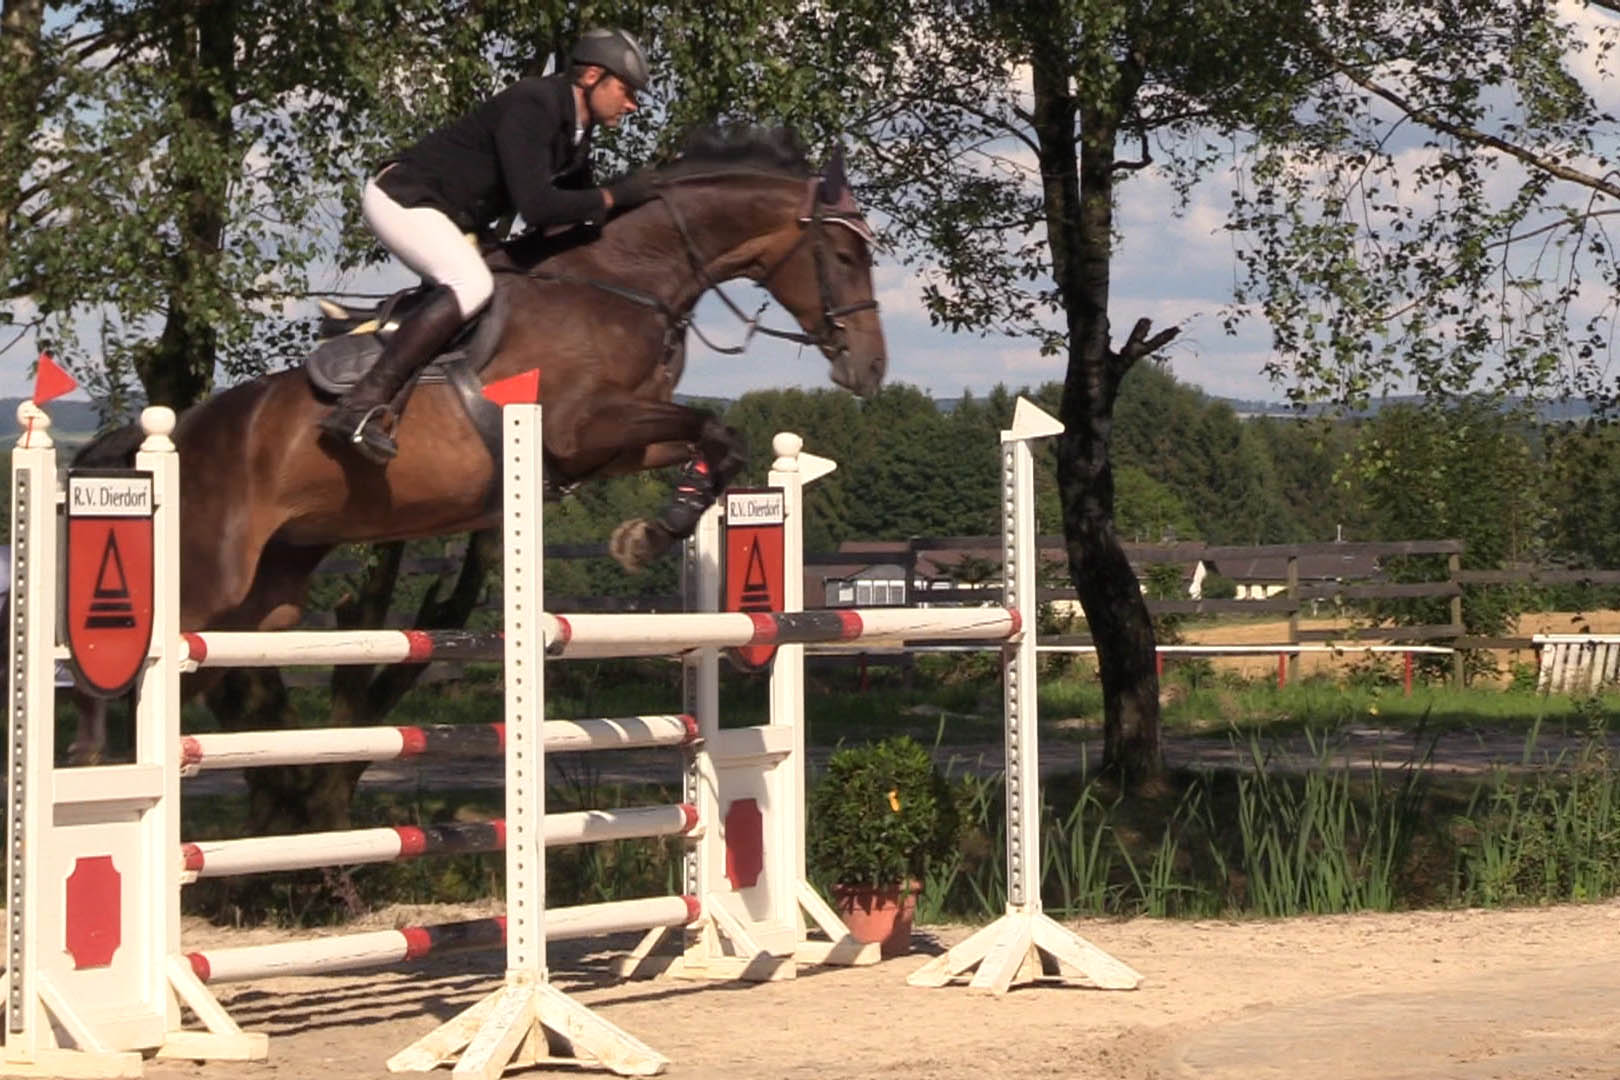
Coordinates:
1172 265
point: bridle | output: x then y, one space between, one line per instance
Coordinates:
830 335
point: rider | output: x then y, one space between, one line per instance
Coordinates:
527 149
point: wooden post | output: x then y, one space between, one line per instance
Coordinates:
1293 617
909 569
1453 568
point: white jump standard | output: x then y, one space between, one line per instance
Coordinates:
1025 943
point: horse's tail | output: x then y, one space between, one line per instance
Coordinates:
114 449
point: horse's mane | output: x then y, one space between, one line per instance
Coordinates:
705 151
739 148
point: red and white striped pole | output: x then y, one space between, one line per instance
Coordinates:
253 749
268 854
350 952
643 634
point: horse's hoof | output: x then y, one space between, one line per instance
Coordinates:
635 544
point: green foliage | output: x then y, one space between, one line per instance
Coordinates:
1460 472
880 815
1454 260
1219 587
1581 481
1553 837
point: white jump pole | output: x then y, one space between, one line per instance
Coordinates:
1025 943
592 635
380 948
392 843
597 635
255 749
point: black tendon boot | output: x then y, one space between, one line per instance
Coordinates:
359 419
694 493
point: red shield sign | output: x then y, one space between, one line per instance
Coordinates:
110 570
754 580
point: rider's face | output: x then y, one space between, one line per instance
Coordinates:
610 97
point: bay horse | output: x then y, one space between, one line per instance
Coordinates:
603 318
263 500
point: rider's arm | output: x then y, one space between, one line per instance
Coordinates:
523 143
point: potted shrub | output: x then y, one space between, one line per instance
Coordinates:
878 815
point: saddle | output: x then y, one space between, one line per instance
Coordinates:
351 340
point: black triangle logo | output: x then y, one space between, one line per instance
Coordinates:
756 589
110 605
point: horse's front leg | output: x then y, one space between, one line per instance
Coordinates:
698 486
652 435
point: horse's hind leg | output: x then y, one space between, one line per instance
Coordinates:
280 588
89 746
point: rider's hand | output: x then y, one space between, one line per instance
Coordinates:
633 190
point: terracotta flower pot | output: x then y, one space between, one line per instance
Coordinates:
880 914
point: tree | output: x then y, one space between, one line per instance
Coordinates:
1149 512
1005 189
1581 482
1437 218
1464 472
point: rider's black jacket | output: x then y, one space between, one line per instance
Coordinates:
516 151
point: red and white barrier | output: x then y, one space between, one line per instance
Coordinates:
318 746
306 851
635 634
353 952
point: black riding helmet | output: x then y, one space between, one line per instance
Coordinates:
617 52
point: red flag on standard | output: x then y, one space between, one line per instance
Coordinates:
520 389
50 381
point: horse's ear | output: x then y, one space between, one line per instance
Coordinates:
834 180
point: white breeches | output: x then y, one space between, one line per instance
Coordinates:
429 243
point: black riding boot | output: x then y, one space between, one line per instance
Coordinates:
358 420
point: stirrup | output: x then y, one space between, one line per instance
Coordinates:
378 412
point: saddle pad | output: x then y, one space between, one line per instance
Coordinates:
338 363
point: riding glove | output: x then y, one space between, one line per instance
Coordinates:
633 190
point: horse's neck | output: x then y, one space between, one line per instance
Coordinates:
650 253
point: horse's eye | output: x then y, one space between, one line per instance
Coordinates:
846 259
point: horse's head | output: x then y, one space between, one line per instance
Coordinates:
825 279
798 234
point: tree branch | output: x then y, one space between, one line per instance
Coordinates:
1468 133
1507 241
1139 345
989 118
1141 163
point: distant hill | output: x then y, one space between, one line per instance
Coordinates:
1547 412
